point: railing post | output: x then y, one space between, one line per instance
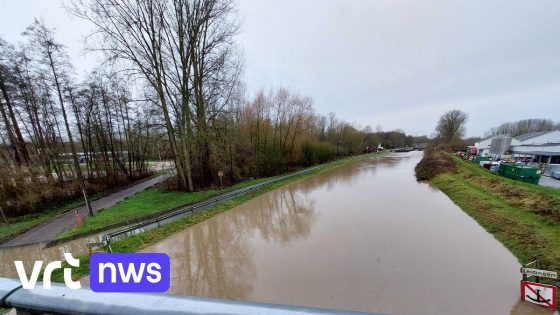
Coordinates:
537 278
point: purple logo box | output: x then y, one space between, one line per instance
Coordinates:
139 272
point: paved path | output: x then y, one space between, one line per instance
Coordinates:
48 230
549 181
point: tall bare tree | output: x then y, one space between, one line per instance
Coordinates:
52 55
184 50
451 126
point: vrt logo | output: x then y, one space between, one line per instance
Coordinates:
32 281
132 272
109 272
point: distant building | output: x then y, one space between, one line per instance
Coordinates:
541 149
495 146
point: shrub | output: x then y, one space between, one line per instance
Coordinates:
434 162
316 152
19 197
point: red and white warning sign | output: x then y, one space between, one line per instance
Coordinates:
538 293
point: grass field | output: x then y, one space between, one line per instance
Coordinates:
524 217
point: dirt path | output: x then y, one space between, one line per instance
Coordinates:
48 230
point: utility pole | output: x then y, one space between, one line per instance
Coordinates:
88 205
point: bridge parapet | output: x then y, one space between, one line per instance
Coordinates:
62 300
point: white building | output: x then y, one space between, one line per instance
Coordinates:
541 149
484 147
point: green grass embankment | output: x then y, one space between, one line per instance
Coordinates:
144 205
524 217
137 242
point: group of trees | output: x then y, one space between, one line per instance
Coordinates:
185 53
60 137
169 88
282 130
450 129
278 130
520 127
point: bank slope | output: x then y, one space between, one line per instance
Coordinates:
524 217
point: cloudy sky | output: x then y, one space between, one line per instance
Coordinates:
393 63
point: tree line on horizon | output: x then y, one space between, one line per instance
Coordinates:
450 130
520 127
170 88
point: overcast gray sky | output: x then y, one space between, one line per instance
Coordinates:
394 63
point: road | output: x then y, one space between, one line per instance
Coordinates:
48 230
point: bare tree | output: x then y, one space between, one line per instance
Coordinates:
38 129
185 50
52 55
451 126
7 110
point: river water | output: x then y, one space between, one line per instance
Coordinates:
28 254
364 237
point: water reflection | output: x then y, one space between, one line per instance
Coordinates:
214 258
525 308
30 253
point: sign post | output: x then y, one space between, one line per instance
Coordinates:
220 175
538 293
535 292
539 273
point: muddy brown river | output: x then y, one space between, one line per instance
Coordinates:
364 237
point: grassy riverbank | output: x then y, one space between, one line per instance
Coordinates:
137 242
523 217
144 205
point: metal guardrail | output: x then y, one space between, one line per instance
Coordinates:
188 210
61 300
